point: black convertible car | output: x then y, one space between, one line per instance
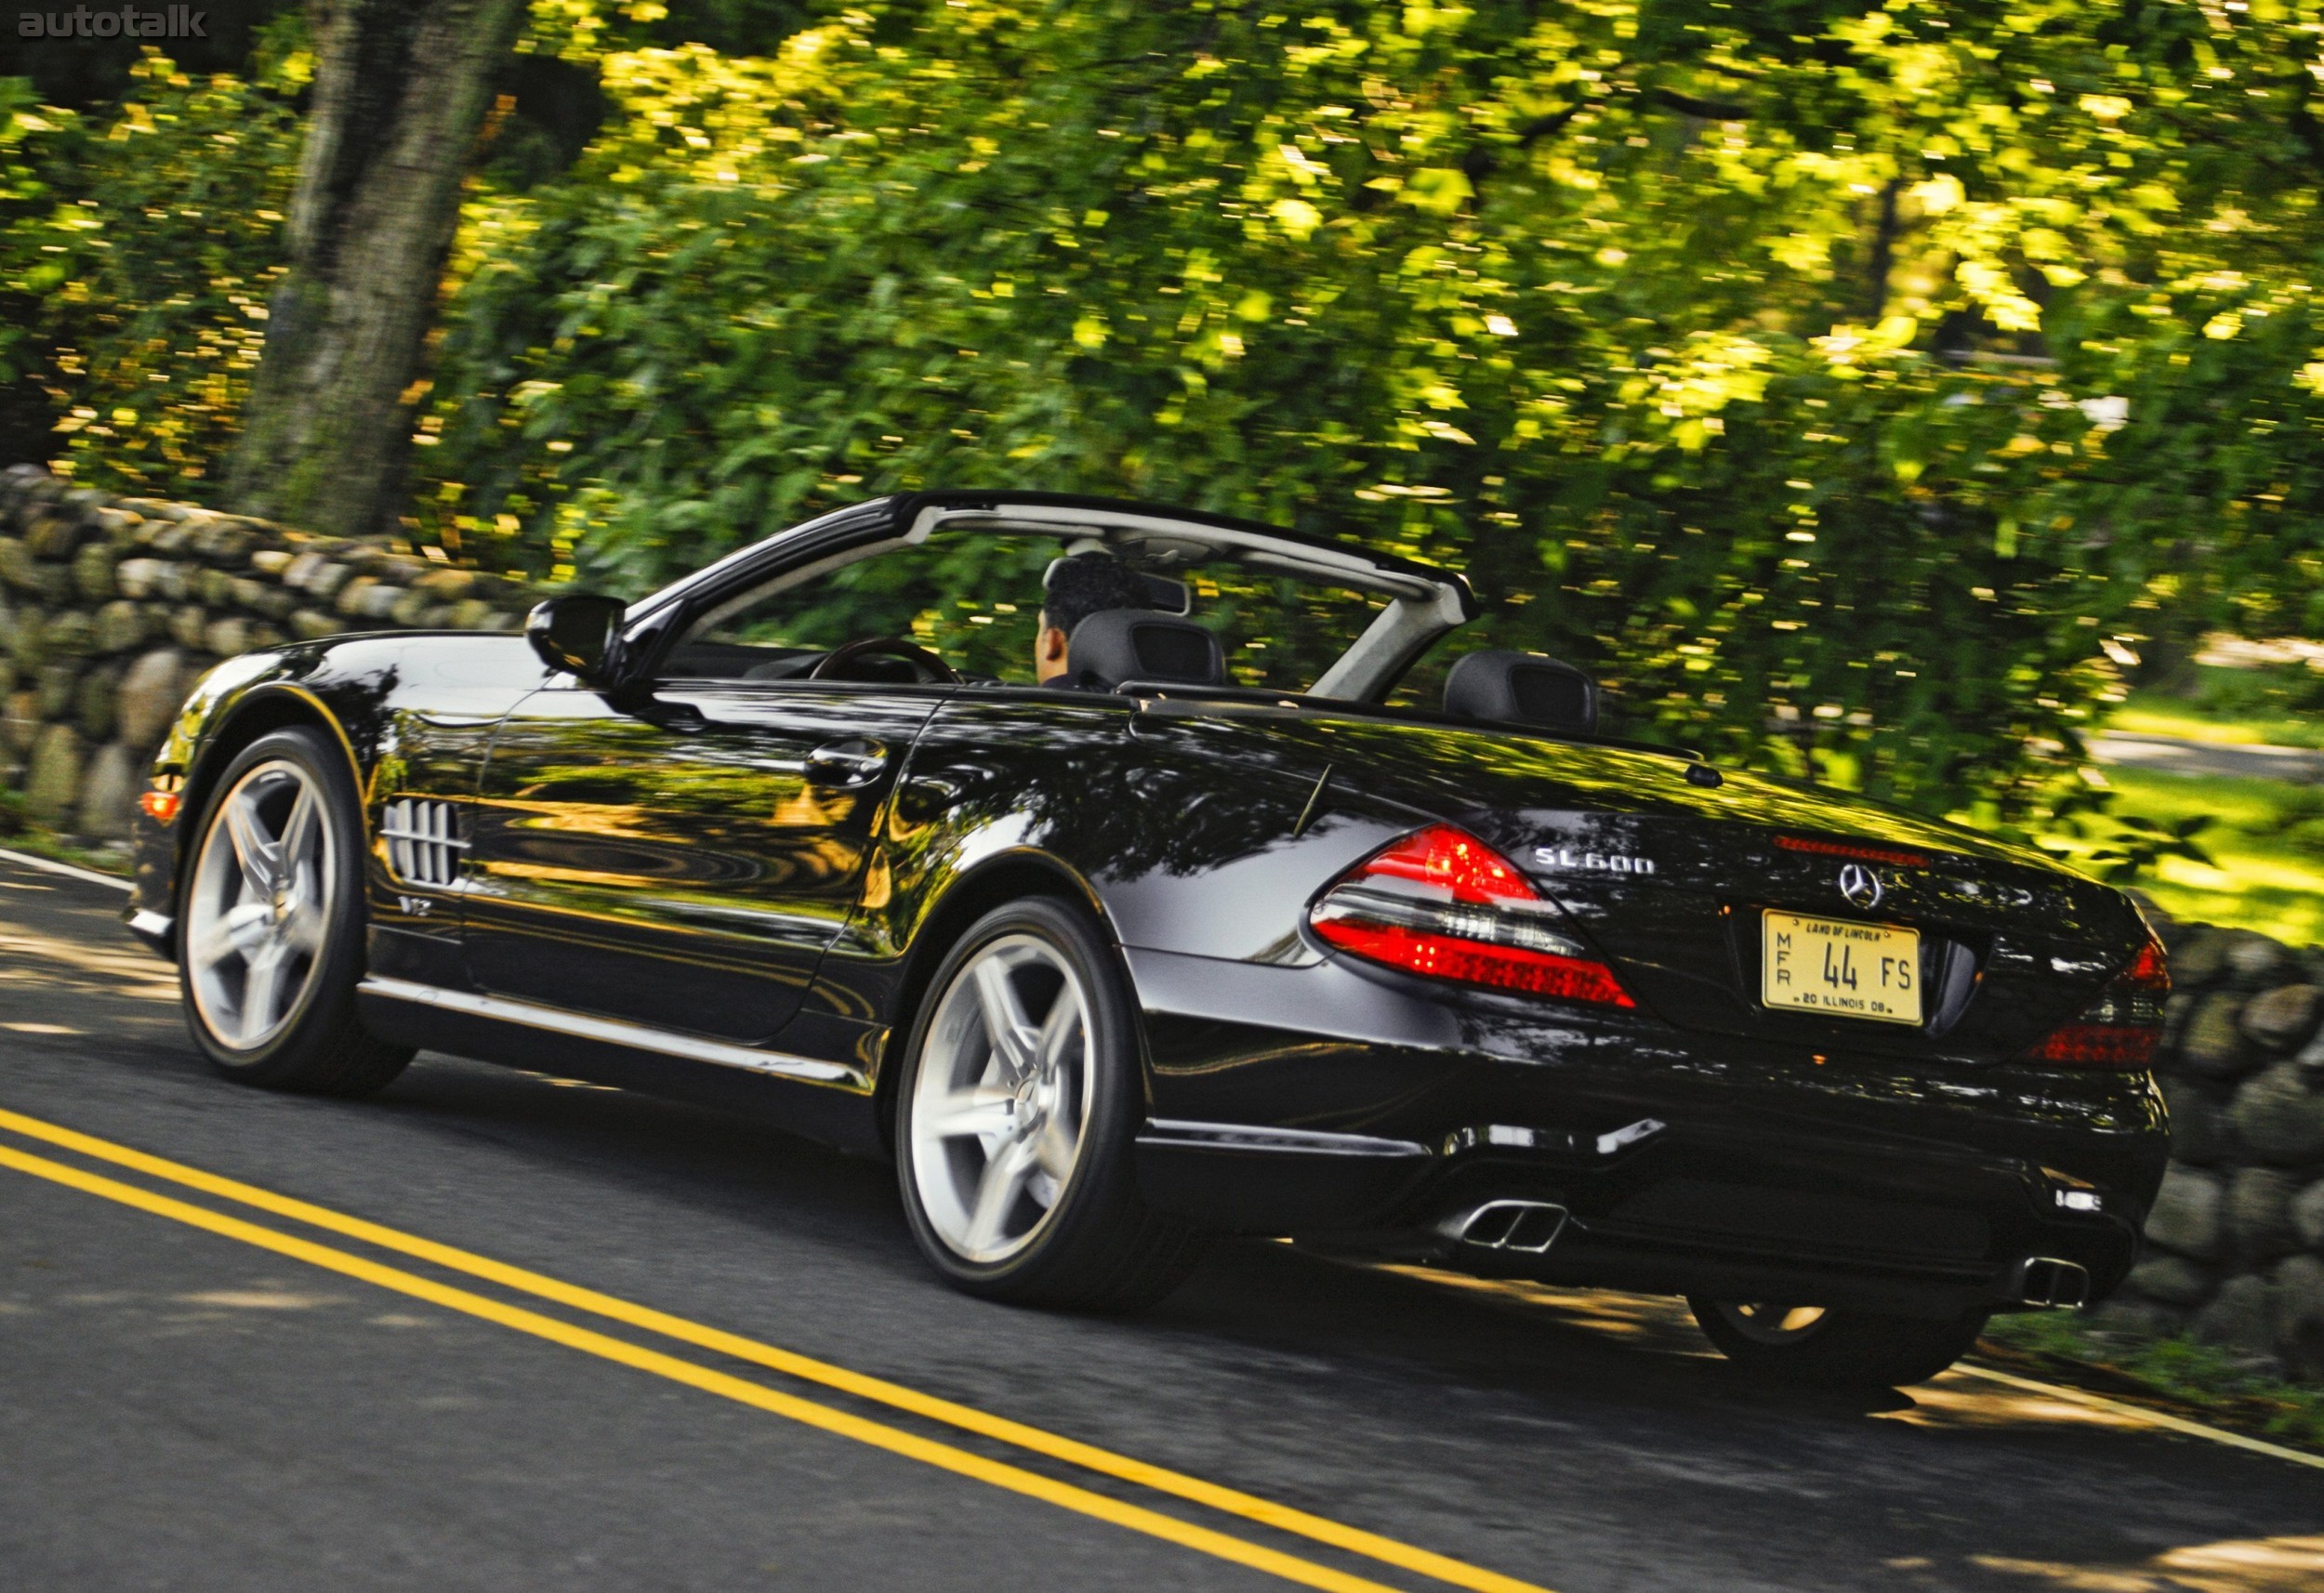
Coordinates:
1211 901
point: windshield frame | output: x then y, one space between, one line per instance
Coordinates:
1423 605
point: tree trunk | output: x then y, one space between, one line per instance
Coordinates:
1883 256
401 89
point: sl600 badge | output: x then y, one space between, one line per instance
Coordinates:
1607 862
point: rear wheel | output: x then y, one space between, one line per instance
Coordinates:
272 920
1831 1347
1020 1098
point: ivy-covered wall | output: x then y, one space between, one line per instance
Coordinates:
111 608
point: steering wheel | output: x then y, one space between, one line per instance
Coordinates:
832 664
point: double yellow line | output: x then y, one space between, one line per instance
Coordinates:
824 1417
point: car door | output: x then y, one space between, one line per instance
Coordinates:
680 854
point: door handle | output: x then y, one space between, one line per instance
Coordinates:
852 762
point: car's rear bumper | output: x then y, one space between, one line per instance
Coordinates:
1679 1162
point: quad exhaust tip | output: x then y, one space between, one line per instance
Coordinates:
1528 1227
2043 1281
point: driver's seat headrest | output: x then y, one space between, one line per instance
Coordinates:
1521 688
1115 645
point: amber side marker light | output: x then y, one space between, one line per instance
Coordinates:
1442 903
161 805
2122 1029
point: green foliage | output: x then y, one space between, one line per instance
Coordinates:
2127 846
2139 844
1840 383
2216 1383
2261 693
2259 878
2298 821
1425 277
2273 722
136 257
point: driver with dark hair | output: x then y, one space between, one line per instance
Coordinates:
1075 589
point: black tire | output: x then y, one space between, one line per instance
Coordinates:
1842 1349
321 1048
1100 1247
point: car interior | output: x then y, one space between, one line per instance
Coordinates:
894 617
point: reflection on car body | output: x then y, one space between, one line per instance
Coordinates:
1210 932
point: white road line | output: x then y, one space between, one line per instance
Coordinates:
1519 1293
2142 1413
48 865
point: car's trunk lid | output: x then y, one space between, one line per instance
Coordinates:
1672 880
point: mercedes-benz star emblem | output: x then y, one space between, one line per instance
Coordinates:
1861 885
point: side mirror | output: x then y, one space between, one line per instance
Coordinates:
580 635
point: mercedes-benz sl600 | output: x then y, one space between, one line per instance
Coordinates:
1129 876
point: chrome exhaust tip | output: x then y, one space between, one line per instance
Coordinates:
1528 1227
2044 1281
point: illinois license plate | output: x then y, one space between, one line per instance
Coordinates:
1841 968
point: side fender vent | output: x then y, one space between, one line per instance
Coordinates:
424 844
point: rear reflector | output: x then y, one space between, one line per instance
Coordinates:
2122 1029
1444 904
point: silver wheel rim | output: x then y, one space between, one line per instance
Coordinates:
1771 1323
1000 1099
260 906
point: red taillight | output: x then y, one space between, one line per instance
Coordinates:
1443 903
2150 970
2123 1028
2098 1046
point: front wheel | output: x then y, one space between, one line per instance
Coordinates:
1020 1098
1830 1347
272 920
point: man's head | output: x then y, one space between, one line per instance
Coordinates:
1086 584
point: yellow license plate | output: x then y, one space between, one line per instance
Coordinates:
1835 967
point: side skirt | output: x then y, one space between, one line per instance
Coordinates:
826 1101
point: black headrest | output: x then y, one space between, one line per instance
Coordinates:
1521 688
1115 645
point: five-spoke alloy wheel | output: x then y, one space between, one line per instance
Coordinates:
1002 1098
1020 1092
271 935
260 904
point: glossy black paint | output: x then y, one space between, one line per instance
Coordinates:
776 867
678 850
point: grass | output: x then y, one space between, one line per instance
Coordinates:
2158 714
2266 839
2274 705
2198 1379
38 843
2261 882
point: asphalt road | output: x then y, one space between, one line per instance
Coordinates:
187 1404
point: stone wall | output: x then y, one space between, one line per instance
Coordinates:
2236 1241
111 608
